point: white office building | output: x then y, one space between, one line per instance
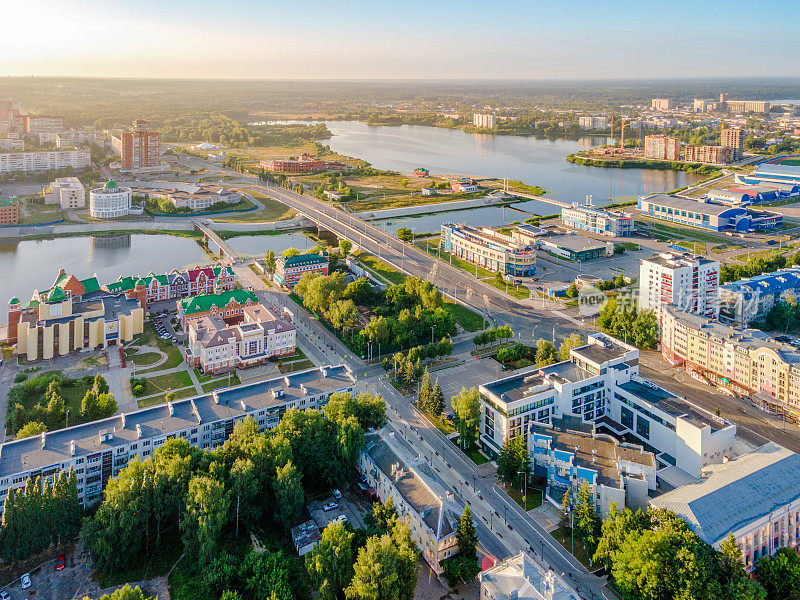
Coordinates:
755 497
689 282
110 201
68 192
601 383
100 449
27 162
597 220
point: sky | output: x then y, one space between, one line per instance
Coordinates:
412 39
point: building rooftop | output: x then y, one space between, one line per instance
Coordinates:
777 169
5 202
736 493
204 302
574 242
707 208
415 481
37 452
675 260
522 578
768 283
301 260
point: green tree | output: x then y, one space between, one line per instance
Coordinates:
780 575
100 386
343 315
126 592
345 246
405 234
289 252
269 261
424 397
467 536
289 495
545 353
330 562
369 409
513 459
467 415
31 429
587 523
615 527
386 568
436 404
244 487
381 519
572 291
206 513
569 343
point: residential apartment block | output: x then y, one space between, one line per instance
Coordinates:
36 124
99 450
217 346
731 137
570 453
288 271
522 578
755 497
45 160
489 249
483 121
9 211
742 106
662 103
593 123
600 384
686 281
597 220
140 150
718 155
396 471
751 299
748 361
662 147
68 192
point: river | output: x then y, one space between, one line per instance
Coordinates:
33 264
536 161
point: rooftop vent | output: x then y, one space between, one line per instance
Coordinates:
43 437
72 447
324 372
138 431
106 435
278 392
171 409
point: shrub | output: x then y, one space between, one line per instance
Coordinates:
20 377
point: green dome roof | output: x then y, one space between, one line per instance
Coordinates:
56 295
14 301
141 282
110 185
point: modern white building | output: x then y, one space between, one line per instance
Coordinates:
593 122
689 282
68 192
100 449
755 497
189 195
110 201
597 220
45 160
215 346
489 248
601 383
396 471
484 121
522 578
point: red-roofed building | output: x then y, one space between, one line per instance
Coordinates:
304 164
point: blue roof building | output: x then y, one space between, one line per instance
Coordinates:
772 173
706 215
753 298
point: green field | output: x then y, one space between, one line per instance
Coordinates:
168 382
793 161
272 211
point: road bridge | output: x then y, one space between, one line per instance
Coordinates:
209 237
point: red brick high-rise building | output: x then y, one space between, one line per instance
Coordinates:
140 149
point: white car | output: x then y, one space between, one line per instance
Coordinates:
330 506
25 580
336 494
341 519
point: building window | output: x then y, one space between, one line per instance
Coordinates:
627 417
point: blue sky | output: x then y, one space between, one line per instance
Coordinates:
501 39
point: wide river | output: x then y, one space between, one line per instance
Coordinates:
536 161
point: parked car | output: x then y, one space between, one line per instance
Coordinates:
336 494
4 595
330 506
60 562
25 580
341 519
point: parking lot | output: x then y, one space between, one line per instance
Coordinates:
164 328
470 374
350 505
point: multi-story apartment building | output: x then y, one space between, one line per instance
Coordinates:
593 122
397 471
600 383
304 164
742 106
226 305
9 211
748 361
288 271
597 220
99 450
751 299
662 147
570 453
489 249
36 124
522 578
68 192
731 137
700 105
686 281
72 315
755 497
718 155
12 144
45 160
483 121
662 104
217 346
140 150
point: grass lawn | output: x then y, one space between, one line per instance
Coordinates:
442 424
380 268
534 499
563 537
221 382
165 383
399 198
72 391
144 359
149 337
185 393
469 320
297 365
30 212
472 452
272 211
519 292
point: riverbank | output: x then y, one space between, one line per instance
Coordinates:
644 163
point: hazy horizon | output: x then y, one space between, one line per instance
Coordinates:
445 40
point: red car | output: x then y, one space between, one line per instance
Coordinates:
60 563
